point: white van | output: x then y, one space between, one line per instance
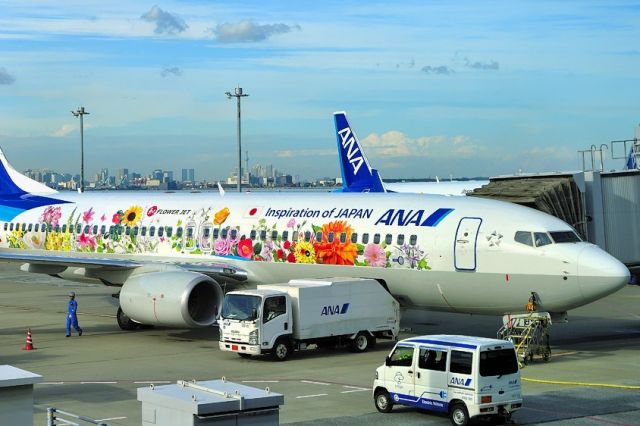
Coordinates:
463 376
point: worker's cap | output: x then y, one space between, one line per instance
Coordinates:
72 294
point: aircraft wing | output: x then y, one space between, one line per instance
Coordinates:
222 271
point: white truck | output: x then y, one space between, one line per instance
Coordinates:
464 376
278 319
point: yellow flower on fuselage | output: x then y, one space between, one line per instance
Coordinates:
132 216
221 216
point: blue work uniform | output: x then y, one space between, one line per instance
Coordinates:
72 319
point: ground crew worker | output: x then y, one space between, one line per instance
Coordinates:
72 318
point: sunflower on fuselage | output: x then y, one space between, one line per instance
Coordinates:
132 216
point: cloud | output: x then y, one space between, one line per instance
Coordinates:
550 153
63 131
248 31
166 23
5 77
396 144
491 65
172 71
442 70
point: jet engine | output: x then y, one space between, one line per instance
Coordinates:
171 298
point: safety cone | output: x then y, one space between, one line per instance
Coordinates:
29 345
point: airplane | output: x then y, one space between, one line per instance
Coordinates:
359 176
173 255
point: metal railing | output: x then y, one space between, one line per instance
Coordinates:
52 418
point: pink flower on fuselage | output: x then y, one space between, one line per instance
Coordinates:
222 247
87 241
88 216
375 255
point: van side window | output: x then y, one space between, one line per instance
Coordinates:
431 359
461 362
402 356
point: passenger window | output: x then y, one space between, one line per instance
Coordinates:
6 226
95 229
160 231
541 239
103 230
216 232
343 237
330 237
179 232
234 234
223 234
11 227
78 229
134 230
143 231
400 240
319 236
295 236
354 237
376 239
413 240
523 237
127 230
252 234
169 231
365 238
64 228
24 227
86 229
35 227
402 356
30 227
274 235
461 362
152 231
307 236
263 235
388 239
431 359
274 307
285 235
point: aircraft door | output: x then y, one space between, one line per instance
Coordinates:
464 252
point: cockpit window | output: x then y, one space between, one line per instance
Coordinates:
524 237
560 237
541 239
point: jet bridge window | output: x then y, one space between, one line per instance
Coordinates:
461 362
524 237
542 239
432 359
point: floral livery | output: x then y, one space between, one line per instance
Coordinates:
204 232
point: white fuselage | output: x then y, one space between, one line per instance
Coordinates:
454 254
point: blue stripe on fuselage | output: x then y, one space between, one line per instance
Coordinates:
437 216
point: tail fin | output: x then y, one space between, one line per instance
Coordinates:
357 174
12 182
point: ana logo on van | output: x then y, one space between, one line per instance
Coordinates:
460 381
334 309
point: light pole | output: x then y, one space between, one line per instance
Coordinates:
81 113
238 94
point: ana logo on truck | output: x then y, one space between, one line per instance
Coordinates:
334 310
460 381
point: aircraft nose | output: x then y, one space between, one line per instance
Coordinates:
599 273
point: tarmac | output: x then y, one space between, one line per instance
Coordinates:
593 376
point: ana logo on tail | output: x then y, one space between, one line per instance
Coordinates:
351 149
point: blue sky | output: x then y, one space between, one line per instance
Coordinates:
431 87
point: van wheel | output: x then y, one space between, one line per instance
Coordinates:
459 415
360 343
383 401
281 350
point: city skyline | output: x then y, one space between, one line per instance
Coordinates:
432 88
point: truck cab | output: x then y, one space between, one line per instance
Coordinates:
462 376
251 322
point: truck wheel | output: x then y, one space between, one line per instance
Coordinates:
383 402
360 343
459 415
124 321
281 350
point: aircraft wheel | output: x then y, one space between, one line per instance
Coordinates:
125 322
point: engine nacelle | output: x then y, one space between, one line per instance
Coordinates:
172 298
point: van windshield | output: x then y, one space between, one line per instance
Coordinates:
240 307
498 362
